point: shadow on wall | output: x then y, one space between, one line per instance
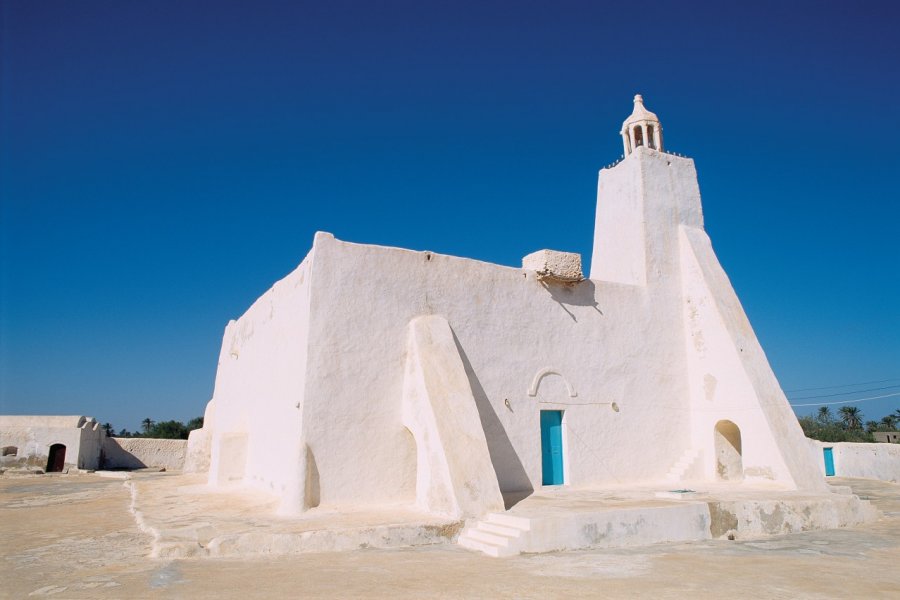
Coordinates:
573 294
511 475
139 453
313 494
114 456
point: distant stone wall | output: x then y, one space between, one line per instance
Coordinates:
138 453
870 461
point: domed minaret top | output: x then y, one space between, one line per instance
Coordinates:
642 128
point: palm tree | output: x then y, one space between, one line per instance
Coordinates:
108 428
851 416
824 415
889 421
147 423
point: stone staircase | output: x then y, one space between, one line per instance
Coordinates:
681 466
497 535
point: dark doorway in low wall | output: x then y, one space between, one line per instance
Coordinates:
56 460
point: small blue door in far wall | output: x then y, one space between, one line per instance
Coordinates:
551 447
829 462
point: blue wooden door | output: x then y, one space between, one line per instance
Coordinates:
551 447
829 462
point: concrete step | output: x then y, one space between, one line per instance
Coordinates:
676 472
490 538
521 523
498 535
486 548
511 532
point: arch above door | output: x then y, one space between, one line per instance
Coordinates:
539 376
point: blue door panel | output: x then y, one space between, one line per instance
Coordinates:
551 447
829 462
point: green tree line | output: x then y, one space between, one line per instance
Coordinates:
847 425
169 430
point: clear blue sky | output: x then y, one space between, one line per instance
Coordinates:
163 163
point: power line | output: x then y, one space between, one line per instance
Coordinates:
845 393
848 401
834 387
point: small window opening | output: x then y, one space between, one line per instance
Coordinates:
638 137
10 451
650 141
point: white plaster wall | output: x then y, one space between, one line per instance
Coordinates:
731 378
875 461
611 342
619 254
197 454
870 461
199 450
260 389
639 203
33 436
455 476
138 453
90 445
720 387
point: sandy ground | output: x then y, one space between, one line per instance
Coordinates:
72 536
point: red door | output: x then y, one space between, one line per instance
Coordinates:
57 459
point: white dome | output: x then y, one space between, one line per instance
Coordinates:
639 113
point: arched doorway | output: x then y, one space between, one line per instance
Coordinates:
56 461
729 464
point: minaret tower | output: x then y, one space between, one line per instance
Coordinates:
649 236
641 202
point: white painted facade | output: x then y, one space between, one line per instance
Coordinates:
29 440
33 442
866 460
381 376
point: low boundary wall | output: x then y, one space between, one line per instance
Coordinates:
870 461
139 453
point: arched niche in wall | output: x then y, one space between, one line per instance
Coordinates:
729 462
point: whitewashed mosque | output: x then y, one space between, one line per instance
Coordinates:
381 376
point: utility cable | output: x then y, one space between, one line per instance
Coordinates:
849 401
833 387
846 393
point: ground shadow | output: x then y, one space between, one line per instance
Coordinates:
511 475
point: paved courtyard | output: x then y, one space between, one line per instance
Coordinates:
72 536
